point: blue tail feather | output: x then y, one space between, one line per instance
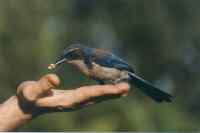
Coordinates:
150 90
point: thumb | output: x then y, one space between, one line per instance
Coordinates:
32 90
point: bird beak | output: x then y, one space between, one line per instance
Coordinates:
59 62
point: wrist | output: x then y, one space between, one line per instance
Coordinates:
12 115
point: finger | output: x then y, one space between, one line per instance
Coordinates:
63 99
110 93
32 90
47 82
87 95
97 91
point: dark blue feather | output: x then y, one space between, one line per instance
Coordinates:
107 59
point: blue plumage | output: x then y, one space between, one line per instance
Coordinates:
102 66
107 59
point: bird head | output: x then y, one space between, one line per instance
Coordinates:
71 53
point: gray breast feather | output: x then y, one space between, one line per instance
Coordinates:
100 72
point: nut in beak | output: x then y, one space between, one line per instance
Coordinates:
52 66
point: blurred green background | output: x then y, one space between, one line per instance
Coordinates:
159 38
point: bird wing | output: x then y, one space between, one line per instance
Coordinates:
108 59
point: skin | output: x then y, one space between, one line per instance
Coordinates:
35 98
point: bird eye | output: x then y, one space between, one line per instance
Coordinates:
71 55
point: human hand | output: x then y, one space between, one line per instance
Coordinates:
38 97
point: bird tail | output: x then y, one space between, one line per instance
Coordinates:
151 91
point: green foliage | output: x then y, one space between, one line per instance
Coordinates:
159 38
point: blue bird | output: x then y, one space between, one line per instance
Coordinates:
105 67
